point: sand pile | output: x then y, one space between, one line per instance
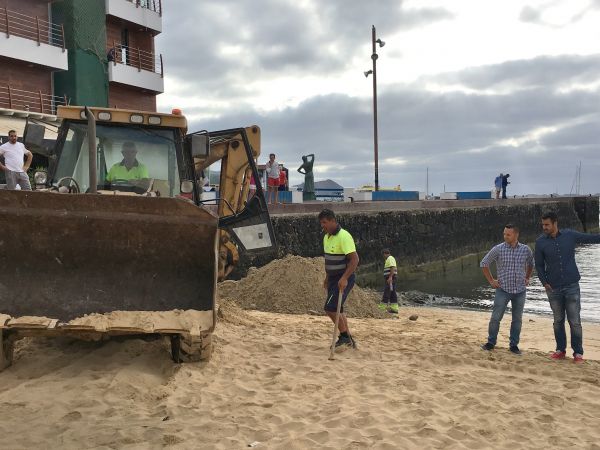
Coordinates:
294 285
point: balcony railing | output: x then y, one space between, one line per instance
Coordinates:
135 57
39 101
14 23
152 5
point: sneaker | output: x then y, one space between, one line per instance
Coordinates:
382 306
577 358
343 343
487 346
514 349
353 343
558 355
393 308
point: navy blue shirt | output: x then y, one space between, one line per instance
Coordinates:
555 257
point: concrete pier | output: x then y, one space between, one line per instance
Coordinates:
421 232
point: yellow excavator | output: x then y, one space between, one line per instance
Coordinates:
118 237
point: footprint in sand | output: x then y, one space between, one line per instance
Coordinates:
545 418
72 416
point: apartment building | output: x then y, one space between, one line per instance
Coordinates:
83 52
32 49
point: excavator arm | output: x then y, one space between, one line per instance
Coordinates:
243 222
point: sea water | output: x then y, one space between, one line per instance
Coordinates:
469 288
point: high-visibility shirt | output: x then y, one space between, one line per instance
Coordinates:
336 246
119 172
389 263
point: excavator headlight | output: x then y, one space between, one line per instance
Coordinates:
154 120
40 178
104 115
136 118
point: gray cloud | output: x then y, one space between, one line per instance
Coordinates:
274 37
540 72
464 139
534 15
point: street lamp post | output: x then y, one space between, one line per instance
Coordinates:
374 57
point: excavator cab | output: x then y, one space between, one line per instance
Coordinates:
117 238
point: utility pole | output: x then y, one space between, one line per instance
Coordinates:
373 71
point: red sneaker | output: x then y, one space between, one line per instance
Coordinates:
558 355
577 358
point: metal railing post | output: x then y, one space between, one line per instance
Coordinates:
139 60
9 98
62 30
39 36
41 102
162 73
160 7
7 22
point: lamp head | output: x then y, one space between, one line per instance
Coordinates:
380 42
367 73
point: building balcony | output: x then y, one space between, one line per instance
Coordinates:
136 67
146 13
31 101
32 39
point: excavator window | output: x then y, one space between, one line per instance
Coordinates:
129 159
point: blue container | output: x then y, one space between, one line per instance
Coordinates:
382 196
481 195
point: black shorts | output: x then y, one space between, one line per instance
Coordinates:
333 293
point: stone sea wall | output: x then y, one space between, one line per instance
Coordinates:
425 236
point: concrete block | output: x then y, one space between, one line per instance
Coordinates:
448 196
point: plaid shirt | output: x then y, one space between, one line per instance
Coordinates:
511 264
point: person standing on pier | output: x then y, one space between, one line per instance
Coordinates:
272 168
505 183
498 185
390 270
514 264
557 270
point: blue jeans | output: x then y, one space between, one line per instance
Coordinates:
517 302
567 300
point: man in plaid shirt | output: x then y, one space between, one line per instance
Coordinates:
514 264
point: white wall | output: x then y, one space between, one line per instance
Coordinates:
128 11
27 50
122 73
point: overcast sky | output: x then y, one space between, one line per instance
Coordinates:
466 88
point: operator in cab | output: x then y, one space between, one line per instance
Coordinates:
129 168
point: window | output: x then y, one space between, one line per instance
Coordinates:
128 159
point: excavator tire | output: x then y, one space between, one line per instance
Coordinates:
188 348
7 346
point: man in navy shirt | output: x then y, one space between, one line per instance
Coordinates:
556 269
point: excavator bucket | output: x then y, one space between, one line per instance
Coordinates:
66 255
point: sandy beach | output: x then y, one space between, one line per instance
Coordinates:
411 384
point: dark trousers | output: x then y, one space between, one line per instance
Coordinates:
389 293
503 191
